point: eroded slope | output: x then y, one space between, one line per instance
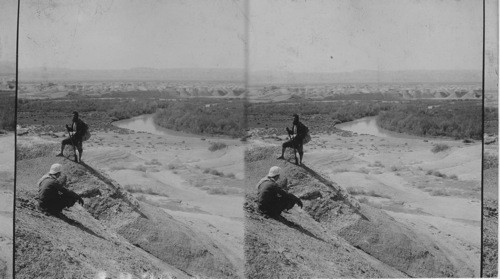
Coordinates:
112 234
355 239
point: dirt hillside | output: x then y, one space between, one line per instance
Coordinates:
333 235
490 212
6 203
112 235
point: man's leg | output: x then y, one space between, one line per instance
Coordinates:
270 209
79 146
301 153
53 207
295 155
68 200
291 200
296 148
283 148
63 144
286 144
280 204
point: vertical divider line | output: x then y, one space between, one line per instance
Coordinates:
482 145
246 41
15 145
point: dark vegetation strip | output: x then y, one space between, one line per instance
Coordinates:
53 114
318 116
491 120
204 116
208 116
7 110
457 119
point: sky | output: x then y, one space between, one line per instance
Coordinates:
348 35
8 30
123 34
491 45
325 36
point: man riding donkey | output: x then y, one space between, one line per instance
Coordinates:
80 134
301 133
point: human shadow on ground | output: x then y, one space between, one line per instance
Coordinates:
298 227
77 224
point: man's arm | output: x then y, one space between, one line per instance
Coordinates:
279 191
60 187
298 201
284 193
70 128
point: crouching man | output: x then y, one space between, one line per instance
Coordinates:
272 200
52 196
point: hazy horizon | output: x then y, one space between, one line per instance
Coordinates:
242 69
257 77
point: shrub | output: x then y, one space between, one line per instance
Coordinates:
395 168
363 200
153 162
217 191
341 170
372 193
363 170
490 161
140 168
198 184
376 164
131 188
439 174
440 192
439 147
223 191
363 192
171 166
117 168
216 172
139 189
214 146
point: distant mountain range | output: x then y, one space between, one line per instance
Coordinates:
368 76
238 75
145 74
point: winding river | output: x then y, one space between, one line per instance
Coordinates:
368 125
145 123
